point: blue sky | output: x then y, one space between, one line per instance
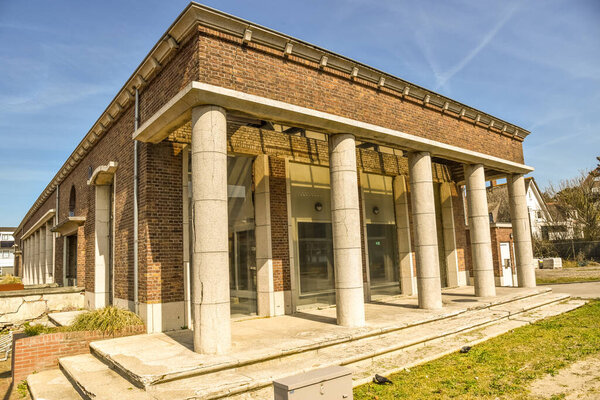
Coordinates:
534 63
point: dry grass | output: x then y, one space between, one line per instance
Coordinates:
9 279
108 319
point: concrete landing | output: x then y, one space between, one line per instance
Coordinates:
64 318
162 366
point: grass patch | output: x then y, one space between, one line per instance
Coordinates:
502 367
566 279
109 320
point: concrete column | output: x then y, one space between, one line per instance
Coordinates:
264 255
408 280
212 324
36 258
521 230
49 277
42 260
25 272
345 220
479 230
450 253
101 246
425 243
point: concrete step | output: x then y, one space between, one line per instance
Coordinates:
169 360
98 377
95 380
51 385
256 377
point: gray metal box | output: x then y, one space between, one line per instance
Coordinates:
331 383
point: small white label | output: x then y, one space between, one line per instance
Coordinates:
236 191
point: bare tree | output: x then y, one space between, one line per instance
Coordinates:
579 203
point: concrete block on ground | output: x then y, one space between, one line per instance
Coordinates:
552 263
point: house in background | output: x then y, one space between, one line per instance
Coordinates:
542 220
7 257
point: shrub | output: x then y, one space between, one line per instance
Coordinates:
9 279
108 319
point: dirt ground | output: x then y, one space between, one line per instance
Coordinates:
591 272
6 391
578 381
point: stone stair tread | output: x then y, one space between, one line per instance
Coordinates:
97 381
212 386
385 352
528 303
51 385
170 360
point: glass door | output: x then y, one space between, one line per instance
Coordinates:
383 271
315 249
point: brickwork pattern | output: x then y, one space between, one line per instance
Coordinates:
38 353
259 70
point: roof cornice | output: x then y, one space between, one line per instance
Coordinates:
197 14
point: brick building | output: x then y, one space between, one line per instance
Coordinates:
339 184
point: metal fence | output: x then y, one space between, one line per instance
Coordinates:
573 250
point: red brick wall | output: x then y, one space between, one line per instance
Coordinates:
279 224
161 224
497 235
501 234
262 71
38 353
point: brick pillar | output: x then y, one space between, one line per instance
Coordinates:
479 231
345 221
212 322
521 230
425 243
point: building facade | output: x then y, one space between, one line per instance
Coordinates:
240 171
7 253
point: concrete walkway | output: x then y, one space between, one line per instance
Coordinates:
585 290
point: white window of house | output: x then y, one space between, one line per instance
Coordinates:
5 254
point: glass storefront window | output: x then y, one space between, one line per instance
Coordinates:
315 244
383 264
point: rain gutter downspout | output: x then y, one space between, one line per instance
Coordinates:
135 205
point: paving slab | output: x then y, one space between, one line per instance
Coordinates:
96 381
64 318
51 385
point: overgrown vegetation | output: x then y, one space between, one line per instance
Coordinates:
109 320
9 279
502 367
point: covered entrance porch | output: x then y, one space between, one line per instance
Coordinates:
419 238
